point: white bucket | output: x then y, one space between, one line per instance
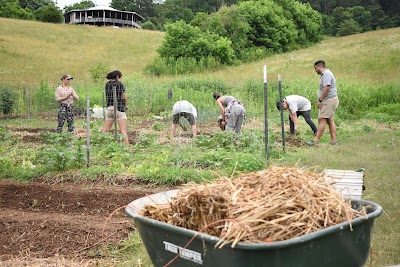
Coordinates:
97 113
349 183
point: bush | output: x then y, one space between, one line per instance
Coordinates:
269 26
98 72
148 25
7 100
44 98
185 41
349 27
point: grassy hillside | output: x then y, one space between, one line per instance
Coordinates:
33 51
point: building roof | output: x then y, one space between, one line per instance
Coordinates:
107 8
102 8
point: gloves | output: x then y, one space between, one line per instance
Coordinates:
221 124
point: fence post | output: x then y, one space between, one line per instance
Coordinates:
266 112
115 111
103 105
87 129
281 109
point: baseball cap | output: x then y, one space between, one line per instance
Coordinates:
67 76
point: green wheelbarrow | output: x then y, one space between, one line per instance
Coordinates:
334 246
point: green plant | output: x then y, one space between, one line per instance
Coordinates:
66 151
62 139
170 175
98 72
4 133
158 126
367 128
43 98
145 140
7 100
12 170
99 138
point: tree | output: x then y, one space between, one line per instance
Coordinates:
348 27
81 5
379 18
269 27
49 13
362 16
35 4
175 10
308 21
12 9
145 8
185 41
339 15
227 22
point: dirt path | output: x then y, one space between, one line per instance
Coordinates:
42 220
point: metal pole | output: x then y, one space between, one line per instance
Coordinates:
87 129
281 109
266 111
103 106
115 111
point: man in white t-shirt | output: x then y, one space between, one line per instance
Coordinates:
186 110
297 106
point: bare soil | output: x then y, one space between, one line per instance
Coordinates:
42 220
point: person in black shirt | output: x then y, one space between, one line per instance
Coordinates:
115 78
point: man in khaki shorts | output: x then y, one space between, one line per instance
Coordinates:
327 103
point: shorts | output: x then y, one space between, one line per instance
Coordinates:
110 114
191 119
328 108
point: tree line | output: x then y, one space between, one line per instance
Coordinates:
339 17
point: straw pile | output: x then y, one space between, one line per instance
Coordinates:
270 205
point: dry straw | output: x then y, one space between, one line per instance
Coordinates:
271 205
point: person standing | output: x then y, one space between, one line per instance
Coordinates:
115 78
297 106
65 95
327 103
232 110
186 110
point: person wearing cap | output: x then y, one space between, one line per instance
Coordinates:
186 110
66 96
297 106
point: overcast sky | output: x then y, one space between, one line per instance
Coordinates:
62 3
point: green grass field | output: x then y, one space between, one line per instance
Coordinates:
367 67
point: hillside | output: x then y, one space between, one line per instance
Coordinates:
33 51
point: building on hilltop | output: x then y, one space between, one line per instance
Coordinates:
103 16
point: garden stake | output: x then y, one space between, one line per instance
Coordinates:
281 109
266 112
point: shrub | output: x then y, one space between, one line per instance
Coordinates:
349 27
7 100
44 98
268 25
98 72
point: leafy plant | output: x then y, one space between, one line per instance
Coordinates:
7 100
158 126
4 133
98 72
145 140
43 98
